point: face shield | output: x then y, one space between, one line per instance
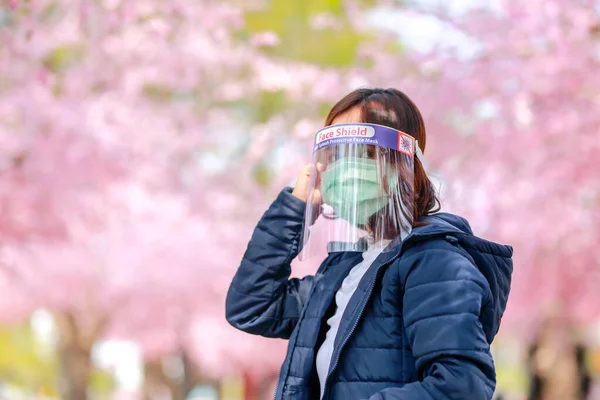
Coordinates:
361 194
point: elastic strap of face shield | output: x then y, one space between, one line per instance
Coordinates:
418 152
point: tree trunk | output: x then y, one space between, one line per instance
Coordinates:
191 375
75 370
259 388
74 350
250 387
266 388
179 387
155 379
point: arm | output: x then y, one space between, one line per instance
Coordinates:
443 297
262 299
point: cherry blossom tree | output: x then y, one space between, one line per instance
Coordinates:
140 142
514 125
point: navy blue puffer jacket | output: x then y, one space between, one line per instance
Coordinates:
419 325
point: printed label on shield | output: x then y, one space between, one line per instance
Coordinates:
338 131
367 134
406 144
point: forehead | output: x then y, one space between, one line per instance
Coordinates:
353 115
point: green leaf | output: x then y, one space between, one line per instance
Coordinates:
160 92
157 91
102 382
262 175
50 11
324 109
269 104
56 89
24 362
62 57
291 21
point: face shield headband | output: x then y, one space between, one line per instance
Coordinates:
367 134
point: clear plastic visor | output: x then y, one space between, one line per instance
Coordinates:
362 195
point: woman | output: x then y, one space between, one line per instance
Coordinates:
409 312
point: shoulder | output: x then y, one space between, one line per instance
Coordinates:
438 259
438 244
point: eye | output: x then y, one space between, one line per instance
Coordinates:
370 152
329 155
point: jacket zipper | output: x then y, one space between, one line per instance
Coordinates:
362 310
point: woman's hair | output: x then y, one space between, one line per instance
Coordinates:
392 108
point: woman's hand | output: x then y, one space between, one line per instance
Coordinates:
303 184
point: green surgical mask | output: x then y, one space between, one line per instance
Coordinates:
351 186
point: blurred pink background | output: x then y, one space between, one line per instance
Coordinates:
141 141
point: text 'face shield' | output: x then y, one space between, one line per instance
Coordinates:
362 189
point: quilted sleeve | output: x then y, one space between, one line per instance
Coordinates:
444 294
262 299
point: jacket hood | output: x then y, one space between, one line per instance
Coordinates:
492 259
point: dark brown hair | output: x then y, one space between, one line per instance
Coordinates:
391 107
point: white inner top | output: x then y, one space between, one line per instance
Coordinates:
342 297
